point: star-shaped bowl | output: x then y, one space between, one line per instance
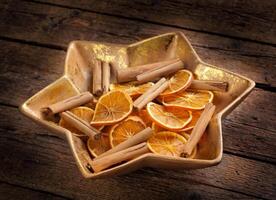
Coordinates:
77 78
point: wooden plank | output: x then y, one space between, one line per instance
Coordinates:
49 25
9 191
43 66
252 20
33 157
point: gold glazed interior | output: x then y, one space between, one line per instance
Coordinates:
77 78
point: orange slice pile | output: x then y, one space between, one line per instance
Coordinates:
190 99
112 108
178 82
169 118
125 129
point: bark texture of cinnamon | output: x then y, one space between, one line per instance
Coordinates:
151 93
97 78
140 137
198 129
106 76
117 157
157 73
81 125
129 74
67 104
209 85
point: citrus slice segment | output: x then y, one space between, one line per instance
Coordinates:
122 131
195 116
190 99
112 107
169 118
97 147
82 112
178 82
166 143
131 89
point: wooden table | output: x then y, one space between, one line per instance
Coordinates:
236 35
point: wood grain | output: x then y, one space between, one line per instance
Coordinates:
244 19
44 65
46 159
9 191
50 25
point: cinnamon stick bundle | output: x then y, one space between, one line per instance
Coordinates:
97 78
209 85
106 76
115 158
151 93
160 72
142 136
81 125
67 104
129 74
198 130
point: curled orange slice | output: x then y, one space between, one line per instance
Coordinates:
169 118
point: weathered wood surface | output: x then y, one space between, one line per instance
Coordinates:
47 160
33 37
243 19
18 192
56 27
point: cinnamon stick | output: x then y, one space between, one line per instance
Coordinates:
106 76
130 73
142 136
81 125
159 72
67 104
115 158
198 130
97 78
151 93
209 85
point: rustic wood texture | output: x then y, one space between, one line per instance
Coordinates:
243 19
238 35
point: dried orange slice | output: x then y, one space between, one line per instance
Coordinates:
166 143
178 82
143 114
190 99
125 129
156 128
112 107
169 118
82 112
195 116
131 89
97 147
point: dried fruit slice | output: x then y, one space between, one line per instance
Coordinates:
131 89
178 82
190 99
195 116
112 107
97 147
82 112
125 129
169 118
166 143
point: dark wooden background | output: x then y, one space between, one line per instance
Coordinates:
235 35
